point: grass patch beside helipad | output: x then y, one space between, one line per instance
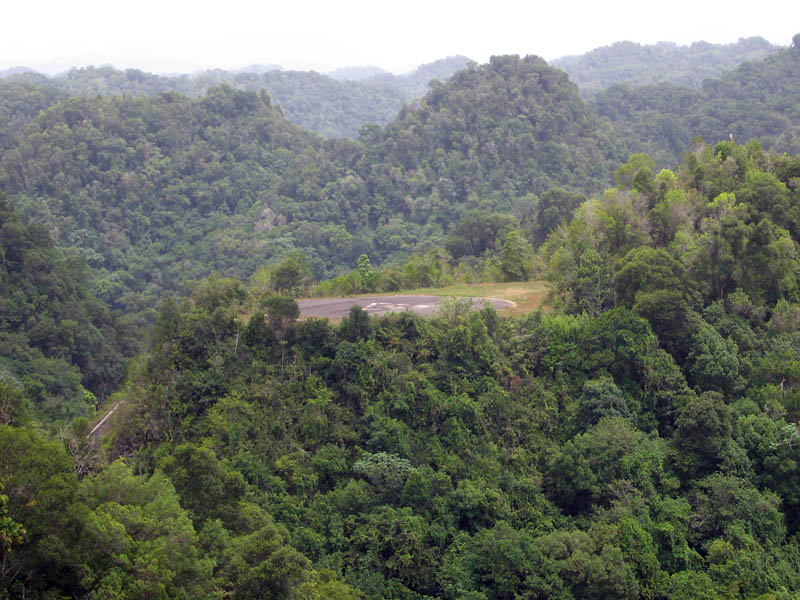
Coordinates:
528 295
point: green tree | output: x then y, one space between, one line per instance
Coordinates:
703 430
555 206
41 496
367 276
262 565
207 490
516 258
142 543
11 532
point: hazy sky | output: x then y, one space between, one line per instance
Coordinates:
180 36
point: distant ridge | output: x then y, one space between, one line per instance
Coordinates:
356 73
329 106
14 71
636 64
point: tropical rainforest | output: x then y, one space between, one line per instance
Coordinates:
634 438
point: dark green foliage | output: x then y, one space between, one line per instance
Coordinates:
477 231
157 193
206 489
602 398
59 344
164 176
555 206
41 486
703 429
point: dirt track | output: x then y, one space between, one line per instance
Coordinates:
380 305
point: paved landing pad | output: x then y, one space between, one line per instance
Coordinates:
380 305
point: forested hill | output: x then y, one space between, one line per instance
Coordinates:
496 132
636 440
417 83
157 192
331 107
757 100
635 64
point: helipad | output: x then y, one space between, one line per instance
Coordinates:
380 305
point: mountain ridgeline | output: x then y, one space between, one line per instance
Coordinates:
156 190
332 106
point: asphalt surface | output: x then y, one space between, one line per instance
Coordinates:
380 305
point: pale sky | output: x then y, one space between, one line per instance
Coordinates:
181 36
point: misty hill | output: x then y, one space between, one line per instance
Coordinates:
356 73
22 97
259 68
14 71
414 84
636 64
757 100
319 103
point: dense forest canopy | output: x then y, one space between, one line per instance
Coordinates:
636 439
59 344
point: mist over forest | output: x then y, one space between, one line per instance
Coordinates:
173 426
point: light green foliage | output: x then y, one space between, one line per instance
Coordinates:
367 276
323 585
633 173
387 472
144 542
11 532
516 258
